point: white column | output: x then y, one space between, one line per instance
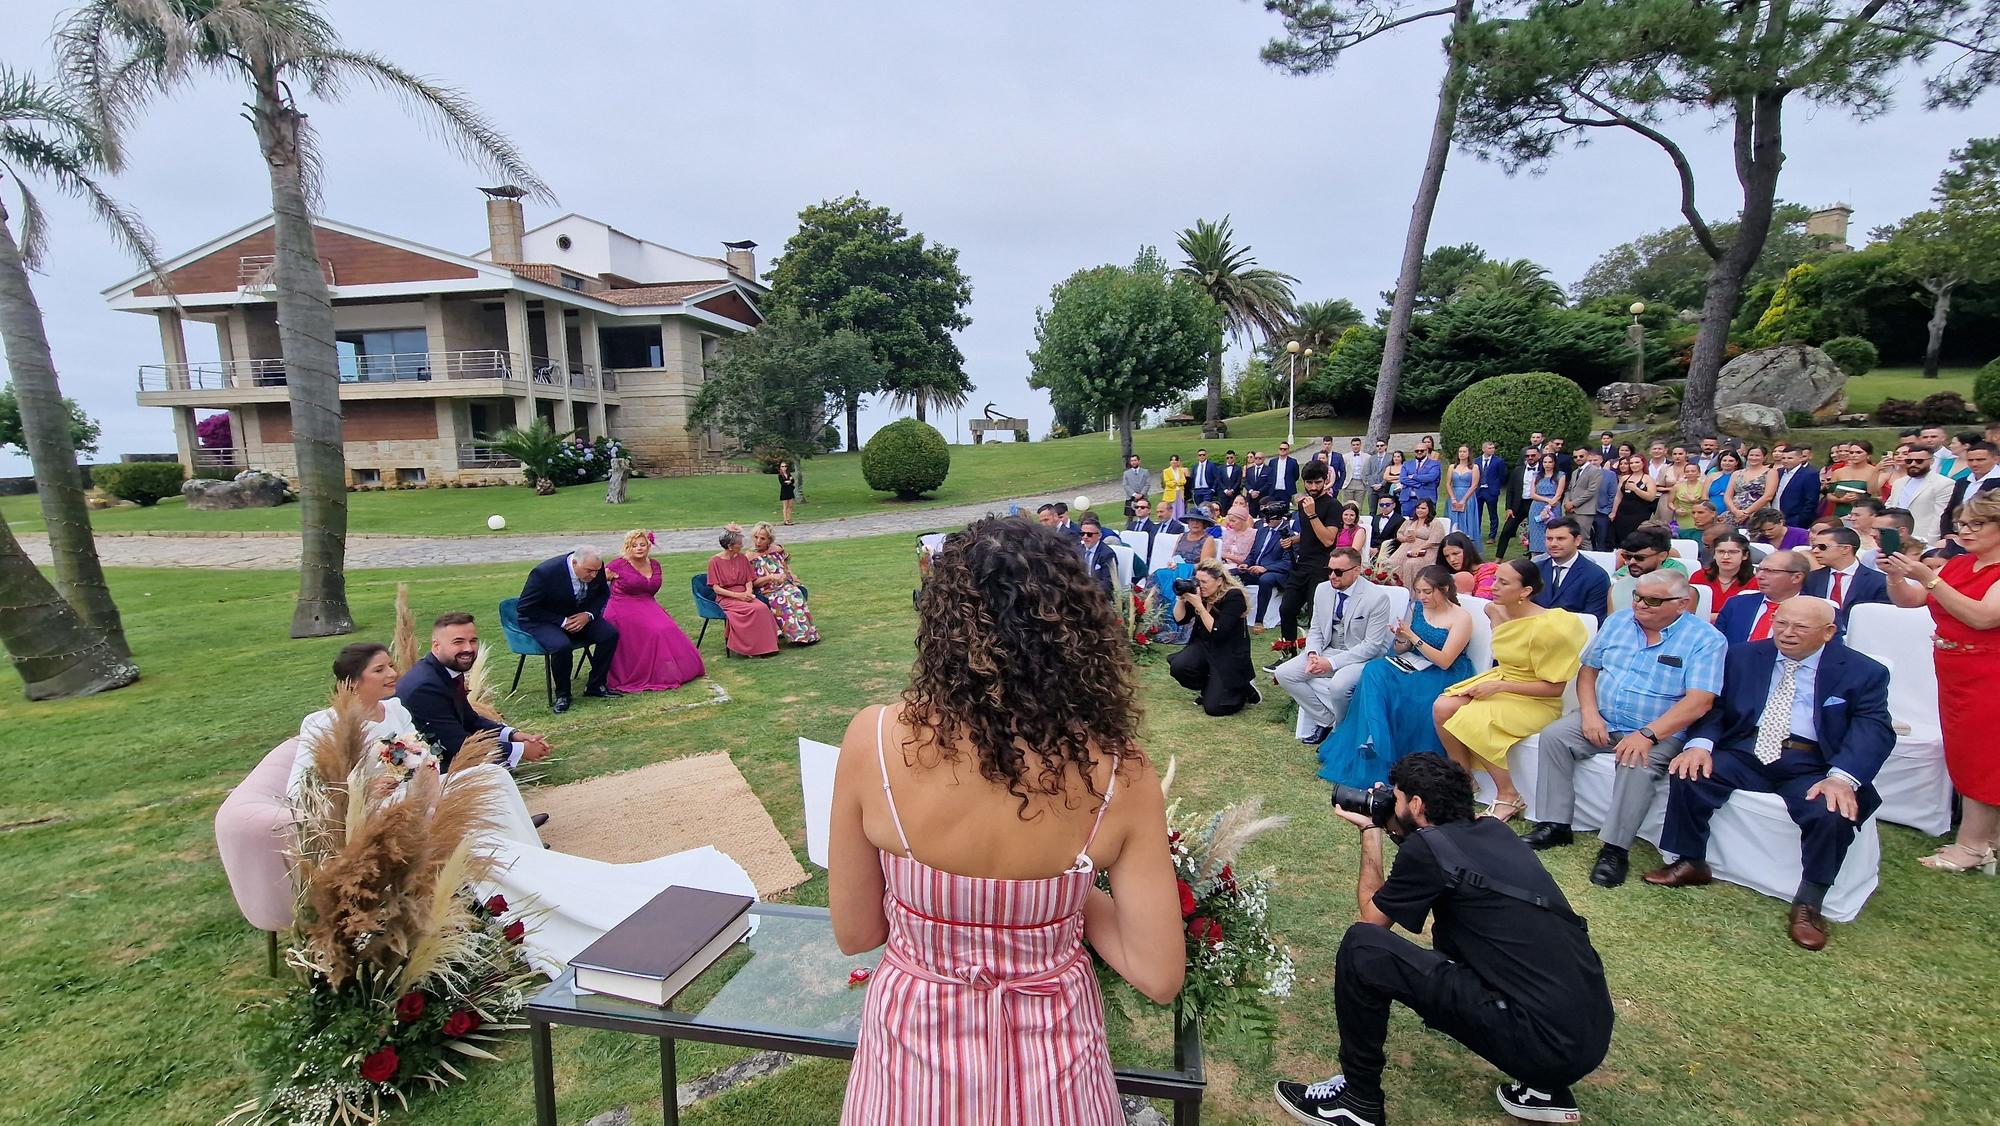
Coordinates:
173 348
593 357
185 442
558 338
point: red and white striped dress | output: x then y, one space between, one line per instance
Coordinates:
985 1008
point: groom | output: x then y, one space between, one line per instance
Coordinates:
562 605
434 691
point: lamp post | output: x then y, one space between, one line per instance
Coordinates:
1636 336
1292 393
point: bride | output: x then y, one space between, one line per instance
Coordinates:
567 902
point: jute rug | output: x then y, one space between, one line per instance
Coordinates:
664 808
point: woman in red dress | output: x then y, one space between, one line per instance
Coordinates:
1729 572
1964 599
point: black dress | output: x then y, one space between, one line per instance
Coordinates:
1216 660
786 486
1633 510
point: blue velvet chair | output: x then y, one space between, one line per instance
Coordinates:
523 643
706 605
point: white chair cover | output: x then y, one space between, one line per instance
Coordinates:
933 542
1914 784
1126 558
1605 559
1399 602
1162 554
1688 551
816 767
1759 550
1480 648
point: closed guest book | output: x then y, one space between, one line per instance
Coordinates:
662 946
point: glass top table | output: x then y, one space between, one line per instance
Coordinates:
786 989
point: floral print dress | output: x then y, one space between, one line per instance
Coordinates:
787 600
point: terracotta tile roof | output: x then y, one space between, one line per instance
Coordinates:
668 293
535 271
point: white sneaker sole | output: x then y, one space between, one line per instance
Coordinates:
1535 1113
1341 1117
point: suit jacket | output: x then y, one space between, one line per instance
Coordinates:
550 596
1381 531
1927 504
1256 479
1565 462
1517 488
1265 551
1372 467
1961 491
1867 585
1420 482
1586 589
1202 477
444 716
1492 475
1229 479
1610 453
1850 702
1071 529
1739 615
1583 489
1281 477
1799 500
1102 563
1363 632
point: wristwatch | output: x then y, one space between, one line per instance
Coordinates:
1648 733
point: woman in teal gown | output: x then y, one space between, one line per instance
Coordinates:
1390 716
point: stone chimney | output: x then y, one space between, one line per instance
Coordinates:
504 224
1829 226
742 257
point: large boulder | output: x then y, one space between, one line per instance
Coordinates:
1627 400
252 488
1789 377
1751 422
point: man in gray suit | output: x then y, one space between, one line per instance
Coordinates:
1350 626
1137 483
1361 467
1377 483
1580 500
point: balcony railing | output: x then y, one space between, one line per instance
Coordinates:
550 374
394 367
219 458
480 457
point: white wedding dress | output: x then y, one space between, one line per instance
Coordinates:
567 902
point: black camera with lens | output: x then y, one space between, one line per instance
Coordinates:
1184 586
1377 803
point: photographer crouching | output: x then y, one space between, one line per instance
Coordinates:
1511 974
1215 663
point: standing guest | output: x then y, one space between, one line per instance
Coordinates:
1421 478
1964 601
779 588
1392 477
1256 480
1711 454
1767 526
788 489
1333 461
1520 496
1728 573
1597 531
1943 458
1889 474
1351 626
1720 479
1098 559
1317 525
1839 576
1463 486
653 654
435 694
1547 507
1657 464
1535 655
1215 663
1492 482
1239 534
1390 716
1686 494
1229 480
562 607
1580 494
1471 575
1924 493
1270 562
1568 580
1022 777
1565 463
1650 673
1281 475
1360 468
1201 478
1748 616
1798 486
1982 472
1510 974
1853 476
1379 465
1606 447
1136 482
1638 498
1751 487
1417 543
750 628
1805 718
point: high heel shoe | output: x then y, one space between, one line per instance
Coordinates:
1987 862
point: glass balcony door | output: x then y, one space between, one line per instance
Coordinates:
385 355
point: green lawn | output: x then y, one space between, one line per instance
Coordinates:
834 488
126 960
1866 392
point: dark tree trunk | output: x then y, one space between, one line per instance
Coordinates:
45 427
56 654
1934 341
1759 156
1125 435
918 399
1209 429
312 379
853 405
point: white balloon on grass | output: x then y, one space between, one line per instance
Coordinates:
496 522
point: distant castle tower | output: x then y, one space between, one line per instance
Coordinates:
1829 226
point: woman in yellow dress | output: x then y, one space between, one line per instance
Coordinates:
1536 653
1173 487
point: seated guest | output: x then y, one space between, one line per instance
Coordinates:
562 607
750 627
1805 718
1139 532
434 692
1269 563
653 654
1214 511
1382 529
1099 559
1215 664
1840 578
1471 575
1417 542
1897 520
1353 531
1194 545
1239 533
1390 717
1350 627
779 588
1645 549
1728 573
1703 527
1536 652
1767 525
364 668
1747 617
1568 580
1650 673
1509 973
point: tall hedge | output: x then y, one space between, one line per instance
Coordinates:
1506 409
906 457
1986 390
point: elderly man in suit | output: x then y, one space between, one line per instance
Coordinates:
1350 627
1269 563
1098 558
1569 581
1805 718
562 605
1839 577
1781 576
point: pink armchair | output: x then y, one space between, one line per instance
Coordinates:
251 834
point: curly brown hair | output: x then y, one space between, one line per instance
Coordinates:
1021 655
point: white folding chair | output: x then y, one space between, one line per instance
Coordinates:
1480 648
1399 602
1703 596
1914 784
1126 558
1689 552
1604 559
1759 550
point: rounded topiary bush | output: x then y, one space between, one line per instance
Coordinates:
1506 409
907 458
144 483
1986 390
1852 354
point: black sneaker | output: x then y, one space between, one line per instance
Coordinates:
1328 1101
1532 1105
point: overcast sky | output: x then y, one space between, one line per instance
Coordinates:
1038 137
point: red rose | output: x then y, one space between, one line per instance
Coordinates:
410 1007
515 931
1187 897
1214 933
460 1023
497 905
380 1067
1228 880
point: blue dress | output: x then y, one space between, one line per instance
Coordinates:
1545 499
1391 714
1467 521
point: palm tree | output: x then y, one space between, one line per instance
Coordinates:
536 447
44 134
118 53
55 652
1252 301
1520 279
1319 324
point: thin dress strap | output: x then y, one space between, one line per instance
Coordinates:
882 761
1083 863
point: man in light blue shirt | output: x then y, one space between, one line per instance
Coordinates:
1652 671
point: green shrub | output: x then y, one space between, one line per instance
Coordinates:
907 458
1506 409
1986 390
144 483
1852 354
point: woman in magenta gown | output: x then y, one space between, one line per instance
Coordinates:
653 654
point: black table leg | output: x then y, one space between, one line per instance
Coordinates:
545 1073
1187 1113
670 1103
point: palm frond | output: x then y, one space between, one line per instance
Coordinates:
1254 301
34 238
46 133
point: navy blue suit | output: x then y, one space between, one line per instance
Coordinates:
1102 563
1203 481
1276 560
1273 488
442 712
1851 711
550 596
1739 615
1586 589
1866 585
1229 483
1492 479
1799 500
